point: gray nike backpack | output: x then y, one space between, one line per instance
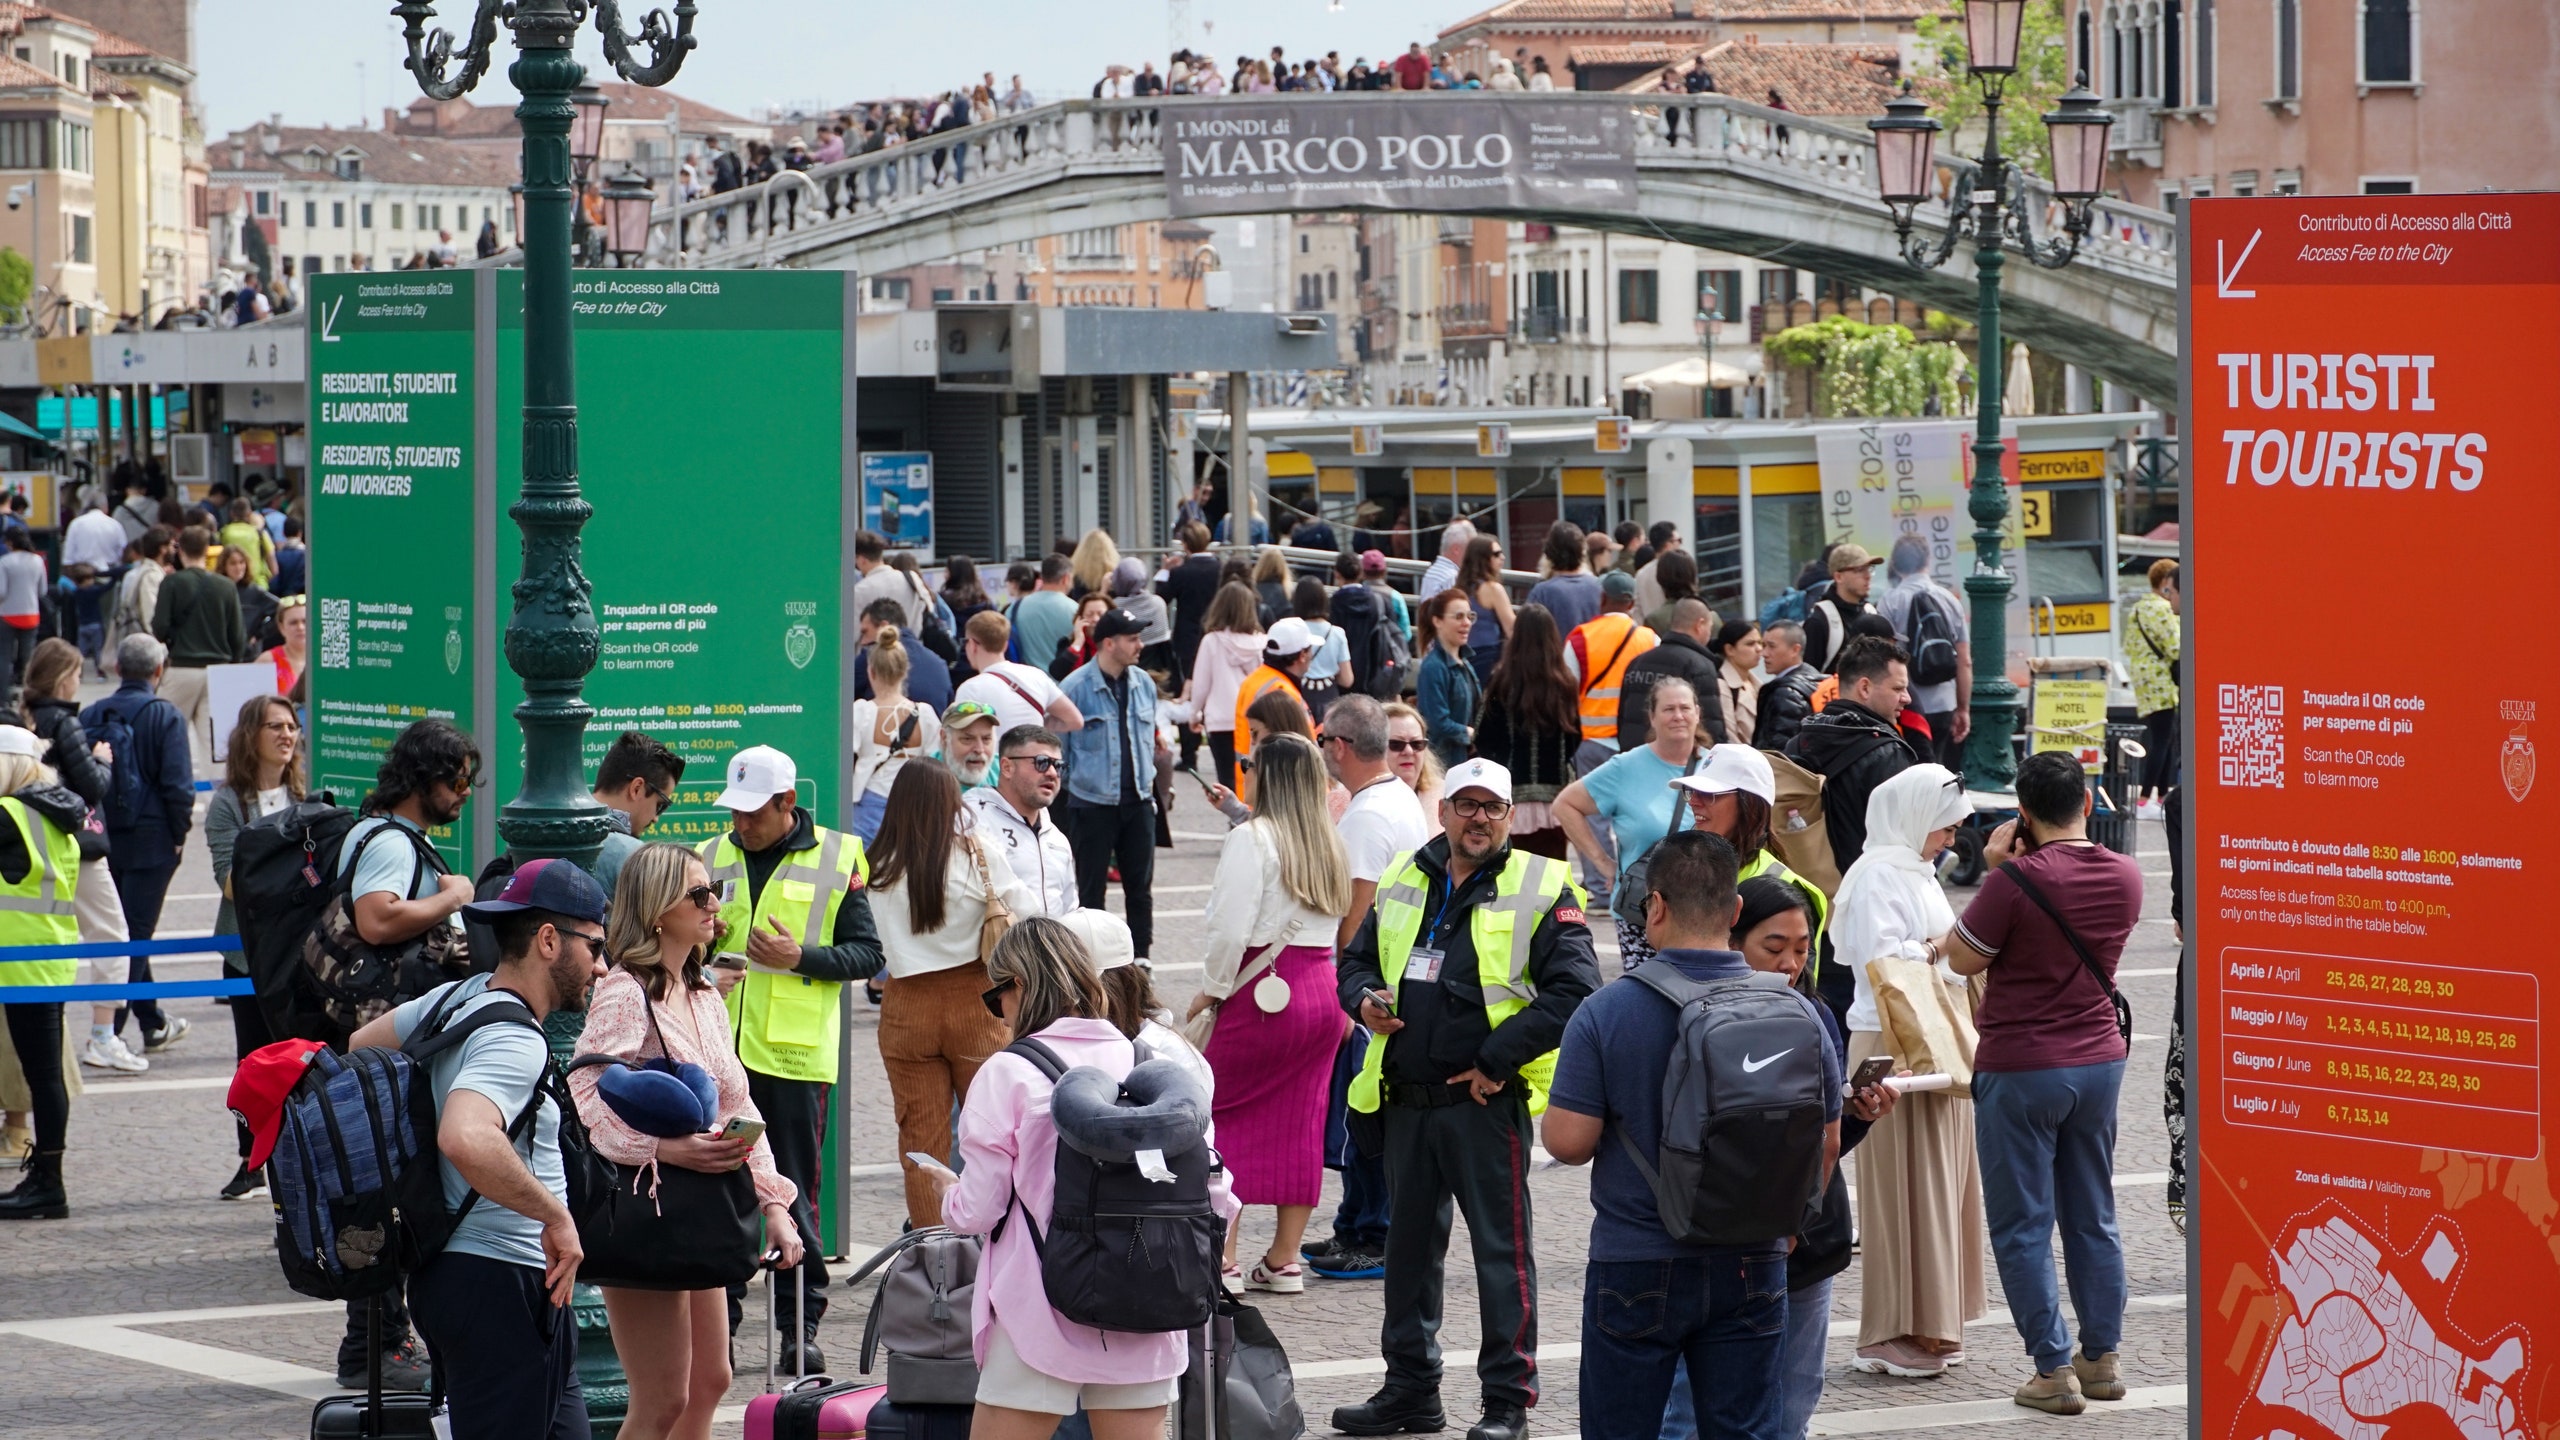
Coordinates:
1742 1123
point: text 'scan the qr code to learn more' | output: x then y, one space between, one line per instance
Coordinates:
2252 750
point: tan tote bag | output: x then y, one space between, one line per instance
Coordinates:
1928 1024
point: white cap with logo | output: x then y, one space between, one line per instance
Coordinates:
1289 635
1477 774
1733 767
756 775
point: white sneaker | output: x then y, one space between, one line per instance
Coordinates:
1287 1280
111 1054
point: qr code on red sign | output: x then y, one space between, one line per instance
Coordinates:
2252 751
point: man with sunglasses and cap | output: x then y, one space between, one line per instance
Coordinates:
1469 966
493 1303
793 916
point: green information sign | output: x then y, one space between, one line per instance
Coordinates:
393 455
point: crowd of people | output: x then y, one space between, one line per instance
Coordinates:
1431 798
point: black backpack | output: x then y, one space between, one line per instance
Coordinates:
123 800
1355 612
1125 1252
1391 664
1742 1124
1933 640
284 869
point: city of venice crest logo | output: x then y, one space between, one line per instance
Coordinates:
800 640
453 640
2515 757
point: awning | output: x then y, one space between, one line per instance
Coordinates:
12 425
1691 372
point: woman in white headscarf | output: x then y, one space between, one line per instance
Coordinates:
1920 1222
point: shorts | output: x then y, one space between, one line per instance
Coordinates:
1005 1380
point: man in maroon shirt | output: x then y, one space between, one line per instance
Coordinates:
1413 68
2048 925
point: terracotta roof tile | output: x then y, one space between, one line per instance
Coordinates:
17 74
1815 79
391 158
1638 52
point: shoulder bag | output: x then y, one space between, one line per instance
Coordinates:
999 918
658 1226
2115 997
1627 894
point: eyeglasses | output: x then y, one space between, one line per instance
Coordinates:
464 783
281 727
704 898
1045 764
1407 747
993 997
1469 808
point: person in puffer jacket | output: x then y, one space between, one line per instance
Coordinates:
1786 697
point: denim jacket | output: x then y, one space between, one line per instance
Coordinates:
1093 753
1446 694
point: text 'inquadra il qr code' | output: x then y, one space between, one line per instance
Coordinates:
2252 750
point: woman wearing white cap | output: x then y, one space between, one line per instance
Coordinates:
1732 795
40 823
1920 1218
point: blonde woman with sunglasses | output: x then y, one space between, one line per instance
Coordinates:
656 1001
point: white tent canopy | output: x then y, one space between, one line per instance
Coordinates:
1692 372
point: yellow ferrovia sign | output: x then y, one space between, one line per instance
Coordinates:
2038 467
2094 618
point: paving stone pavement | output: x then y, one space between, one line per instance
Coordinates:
148 1245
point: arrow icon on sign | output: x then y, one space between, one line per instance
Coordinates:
329 314
2222 278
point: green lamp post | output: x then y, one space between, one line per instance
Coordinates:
551 639
1993 211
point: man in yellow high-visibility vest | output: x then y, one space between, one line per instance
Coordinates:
1475 957
793 914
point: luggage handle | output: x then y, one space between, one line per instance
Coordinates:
773 1319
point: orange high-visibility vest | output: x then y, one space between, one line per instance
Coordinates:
1609 643
1256 685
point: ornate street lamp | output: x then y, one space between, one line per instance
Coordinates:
551 640
627 203
515 207
586 128
1989 202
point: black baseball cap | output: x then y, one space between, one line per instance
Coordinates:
1117 622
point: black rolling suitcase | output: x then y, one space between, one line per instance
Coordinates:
374 1415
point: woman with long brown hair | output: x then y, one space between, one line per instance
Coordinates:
932 886
656 1003
1528 724
1480 580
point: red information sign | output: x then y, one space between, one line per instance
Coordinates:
2370 428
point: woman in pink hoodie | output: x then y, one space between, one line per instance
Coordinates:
1035 1365
1230 650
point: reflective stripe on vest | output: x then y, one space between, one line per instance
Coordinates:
1502 930
787 1025
1612 645
39 908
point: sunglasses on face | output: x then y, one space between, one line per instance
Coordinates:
1045 764
704 898
1407 747
993 997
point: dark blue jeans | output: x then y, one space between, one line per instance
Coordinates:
2048 1144
1724 1312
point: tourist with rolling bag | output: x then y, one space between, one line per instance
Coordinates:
1105 1206
811 1407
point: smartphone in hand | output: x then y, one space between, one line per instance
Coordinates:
742 1128
1870 1071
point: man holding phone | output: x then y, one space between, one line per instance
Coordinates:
792 909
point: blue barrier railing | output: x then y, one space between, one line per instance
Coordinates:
110 949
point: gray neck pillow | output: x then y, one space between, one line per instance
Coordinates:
1159 1107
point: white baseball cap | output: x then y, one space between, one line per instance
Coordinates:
18 740
1105 935
1477 774
1730 768
1288 636
756 775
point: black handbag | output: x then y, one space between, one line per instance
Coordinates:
657 1227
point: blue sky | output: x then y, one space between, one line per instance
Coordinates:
330 61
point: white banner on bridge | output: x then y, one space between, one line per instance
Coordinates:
1256 157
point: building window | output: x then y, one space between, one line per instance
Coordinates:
2391 187
1097 244
338 214
22 144
1720 293
887 288
311 213
1639 297
1333 284
2172 51
395 217
2390 46
349 167
2244 182
263 201
364 215
2288 49
1777 287
941 294
1304 243
2288 182
80 240
2204 51
73 143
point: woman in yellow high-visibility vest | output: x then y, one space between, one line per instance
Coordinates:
39 878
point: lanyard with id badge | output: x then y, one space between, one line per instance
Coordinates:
1424 961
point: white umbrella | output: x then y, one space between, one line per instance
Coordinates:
1692 372
2018 397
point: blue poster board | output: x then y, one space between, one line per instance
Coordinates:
897 498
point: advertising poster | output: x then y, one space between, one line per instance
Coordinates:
392 380
1257 157
2379 1243
718 568
1885 479
897 498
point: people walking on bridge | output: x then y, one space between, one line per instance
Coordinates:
1469 967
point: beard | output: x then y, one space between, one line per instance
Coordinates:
570 982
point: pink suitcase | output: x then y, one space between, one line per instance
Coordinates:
810 1407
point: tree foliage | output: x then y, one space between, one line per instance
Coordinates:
17 282
2044 73
1873 369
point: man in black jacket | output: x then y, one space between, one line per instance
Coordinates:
1827 617
1854 744
1786 697
1682 653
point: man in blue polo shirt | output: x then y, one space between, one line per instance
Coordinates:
1651 1302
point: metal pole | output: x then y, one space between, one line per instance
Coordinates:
551 640
1990 761
1242 495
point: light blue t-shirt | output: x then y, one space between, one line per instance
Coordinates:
390 865
1634 792
1333 649
1040 620
504 1063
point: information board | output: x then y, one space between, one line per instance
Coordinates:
897 498
392 451
2371 854
718 553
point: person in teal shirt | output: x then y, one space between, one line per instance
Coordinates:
1633 792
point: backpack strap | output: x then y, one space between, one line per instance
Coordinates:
439 1033
2115 997
1048 1063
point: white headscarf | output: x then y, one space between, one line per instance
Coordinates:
1890 902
